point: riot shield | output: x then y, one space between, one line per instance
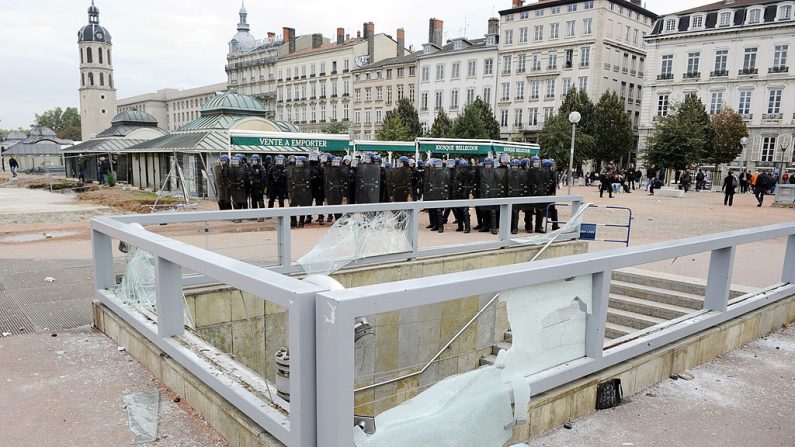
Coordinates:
298 181
399 183
335 179
368 183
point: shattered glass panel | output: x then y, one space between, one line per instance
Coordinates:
358 236
142 411
474 408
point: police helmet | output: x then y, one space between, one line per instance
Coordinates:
388 165
255 157
536 161
552 160
514 162
412 162
376 159
437 163
235 161
505 158
547 163
268 158
223 158
347 158
280 160
300 161
420 164
313 156
336 161
451 162
525 161
403 161
463 164
488 161
324 158
368 157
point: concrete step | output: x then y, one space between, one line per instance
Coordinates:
632 319
657 294
508 336
613 330
647 307
495 348
668 281
488 359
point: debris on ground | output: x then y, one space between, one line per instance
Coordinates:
142 411
686 376
120 349
49 279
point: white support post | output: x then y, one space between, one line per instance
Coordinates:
788 269
102 246
719 279
283 236
303 369
414 231
505 222
596 320
168 291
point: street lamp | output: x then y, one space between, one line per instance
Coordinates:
744 144
574 118
784 142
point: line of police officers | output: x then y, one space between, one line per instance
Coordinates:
242 183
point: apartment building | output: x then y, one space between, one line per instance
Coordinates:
171 107
548 47
450 75
378 87
731 54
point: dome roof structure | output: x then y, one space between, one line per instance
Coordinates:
242 41
134 117
93 32
233 103
41 131
16 135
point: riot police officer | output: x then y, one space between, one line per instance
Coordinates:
316 183
399 181
536 184
368 180
450 165
462 182
300 185
517 187
277 182
350 195
335 182
238 185
257 179
417 186
222 190
551 189
437 187
491 185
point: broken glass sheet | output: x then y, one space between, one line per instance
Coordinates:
358 236
571 226
142 411
474 408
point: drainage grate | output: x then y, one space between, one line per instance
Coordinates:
59 314
12 319
81 291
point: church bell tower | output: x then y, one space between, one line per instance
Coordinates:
97 90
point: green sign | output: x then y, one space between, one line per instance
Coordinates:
386 146
455 148
307 143
525 150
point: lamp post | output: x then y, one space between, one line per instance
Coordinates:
784 143
574 118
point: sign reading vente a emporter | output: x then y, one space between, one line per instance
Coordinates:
310 143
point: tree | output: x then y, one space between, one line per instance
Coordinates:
408 115
490 123
682 138
555 141
611 129
335 128
475 122
729 130
65 123
393 129
442 125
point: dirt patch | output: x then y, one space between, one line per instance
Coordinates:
125 200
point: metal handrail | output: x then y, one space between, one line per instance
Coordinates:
471 320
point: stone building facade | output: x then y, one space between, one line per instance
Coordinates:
171 107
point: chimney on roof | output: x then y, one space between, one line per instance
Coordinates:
317 40
340 36
494 26
435 31
369 34
271 36
401 42
288 36
518 3
358 34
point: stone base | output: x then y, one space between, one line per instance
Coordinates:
669 192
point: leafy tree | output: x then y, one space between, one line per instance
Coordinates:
490 123
335 128
442 125
682 138
470 124
555 141
408 115
65 123
729 129
611 129
393 129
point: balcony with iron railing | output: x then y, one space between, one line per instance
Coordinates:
719 73
772 116
778 69
665 76
747 71
691 75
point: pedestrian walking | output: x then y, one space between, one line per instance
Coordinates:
729 188
761 184
12 163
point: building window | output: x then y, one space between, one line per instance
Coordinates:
552 61
504 118
506 91
472 68
549 112
630 93
524 15
426 73
749 61
572 7
90 78
523 35
379 93
506 64
585 56
532 115
774 102
570 28
536 62
768 148
521 63
666 66
554 30
623 93
721 58
517 117
424 101
509 18
715 102
109 63
785 12
780 57
538 33
534 87
550 89
439 72
470 95
508 36
357 117
357 94
102 79
588 5
456 70
519 90
411 93
754 16
566 85
725 19
583 81
454 99
487 95
439 98
662 105
82 79
89 55
99 53
670 25
367 116
692 63
586 26
400 92
744 107
488 66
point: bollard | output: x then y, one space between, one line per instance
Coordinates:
283 374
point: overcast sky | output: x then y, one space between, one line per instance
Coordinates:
183 43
